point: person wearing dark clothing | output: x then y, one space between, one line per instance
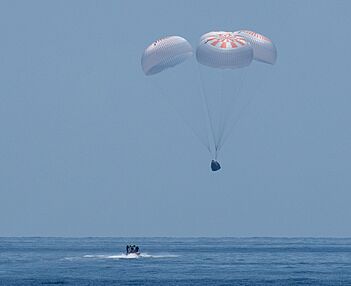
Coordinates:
132 249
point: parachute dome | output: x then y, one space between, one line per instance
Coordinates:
165 53
263 48
224 50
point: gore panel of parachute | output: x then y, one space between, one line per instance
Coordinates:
210 34
263 48
224 50
165 53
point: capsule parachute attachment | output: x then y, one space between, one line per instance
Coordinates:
215 166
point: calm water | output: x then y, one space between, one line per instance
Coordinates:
175 261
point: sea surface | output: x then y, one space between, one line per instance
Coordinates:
175 261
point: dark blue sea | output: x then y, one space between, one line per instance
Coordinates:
175 261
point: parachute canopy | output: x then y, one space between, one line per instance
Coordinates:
224 50
263 48
165 53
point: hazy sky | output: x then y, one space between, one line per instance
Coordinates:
88 148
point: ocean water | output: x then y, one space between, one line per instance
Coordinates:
175 261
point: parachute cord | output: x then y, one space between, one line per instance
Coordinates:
238 118
235 96
209 117
222 113
203 142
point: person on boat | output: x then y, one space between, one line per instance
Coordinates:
132 249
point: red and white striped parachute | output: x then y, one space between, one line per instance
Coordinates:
224 50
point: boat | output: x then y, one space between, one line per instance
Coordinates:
132 250
133 253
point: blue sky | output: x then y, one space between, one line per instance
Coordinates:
88 148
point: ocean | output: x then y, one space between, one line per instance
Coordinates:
175 261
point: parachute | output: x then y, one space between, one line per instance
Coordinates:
222 58
224 50
167 61
165 53
227 54
263 48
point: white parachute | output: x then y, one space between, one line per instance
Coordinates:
165 53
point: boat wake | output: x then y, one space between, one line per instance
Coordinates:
129 256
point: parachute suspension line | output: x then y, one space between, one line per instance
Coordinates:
209 117
235 96
252 96
222 112
206 143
